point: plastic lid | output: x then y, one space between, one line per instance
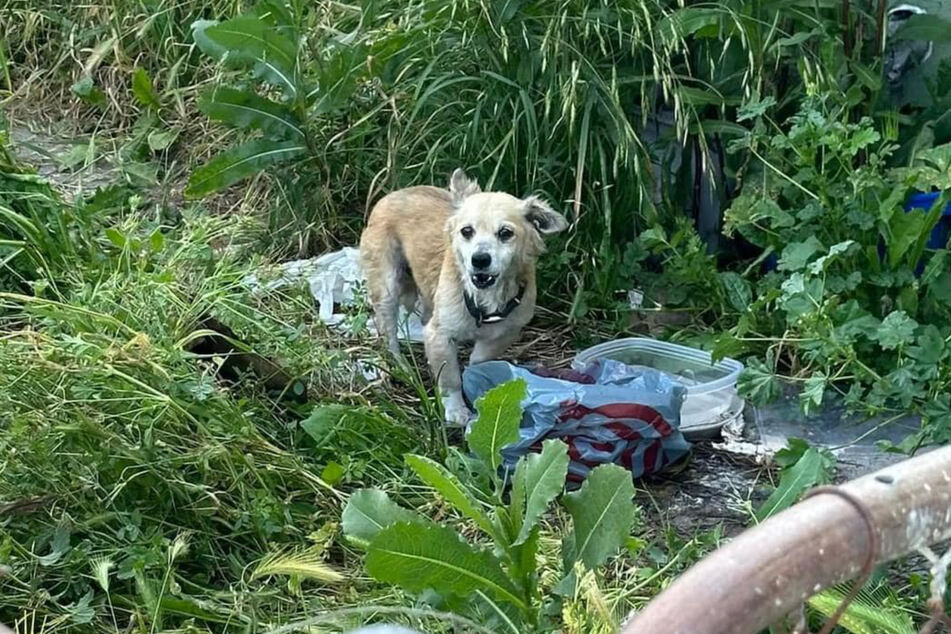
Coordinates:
673 357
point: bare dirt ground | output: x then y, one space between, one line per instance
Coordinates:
46 150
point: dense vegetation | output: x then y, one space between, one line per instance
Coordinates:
179 451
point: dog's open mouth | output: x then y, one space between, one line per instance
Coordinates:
483 280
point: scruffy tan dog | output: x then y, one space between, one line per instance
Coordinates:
469 257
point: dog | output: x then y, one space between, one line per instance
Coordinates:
469 257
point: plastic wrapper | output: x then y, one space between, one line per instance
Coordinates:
606 412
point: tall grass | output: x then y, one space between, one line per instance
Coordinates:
144 487
557 97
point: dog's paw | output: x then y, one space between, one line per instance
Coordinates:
458 417
457 414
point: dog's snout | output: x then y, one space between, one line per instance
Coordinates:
481 260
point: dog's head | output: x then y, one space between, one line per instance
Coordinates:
495 235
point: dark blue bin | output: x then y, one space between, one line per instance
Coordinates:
925 201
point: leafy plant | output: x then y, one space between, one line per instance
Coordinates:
499 586
266 42
844 308
802 468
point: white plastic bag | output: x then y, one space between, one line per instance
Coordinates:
335 279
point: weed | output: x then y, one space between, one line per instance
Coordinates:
500 588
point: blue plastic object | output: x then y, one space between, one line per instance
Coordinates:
925 201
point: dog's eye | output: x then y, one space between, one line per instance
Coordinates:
467 232
505 234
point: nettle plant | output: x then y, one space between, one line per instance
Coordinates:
493 577
857 302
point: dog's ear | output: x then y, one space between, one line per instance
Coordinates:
461 186
540 214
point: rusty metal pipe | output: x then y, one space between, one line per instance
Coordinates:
769 570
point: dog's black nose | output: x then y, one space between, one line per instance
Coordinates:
481 260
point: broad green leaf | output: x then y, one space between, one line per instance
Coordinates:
276 13
238 163
602 512
758 382
243 109
156 241
59 545
835 250
524 562
896 330
930 348
322 421
813 391
927 27
862 139
142 89
332 473
810 470
161 139
801 295
369 511
869 78
82 612
797 254
755 108
726 344
86 90
207 46
539 478
933 169
738 291
248 39
116 237
450 488
863 325
500 413
688 21
791 454
418 557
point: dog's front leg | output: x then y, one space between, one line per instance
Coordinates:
489 349
444 360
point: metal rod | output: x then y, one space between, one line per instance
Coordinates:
769 570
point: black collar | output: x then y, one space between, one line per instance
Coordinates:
481 317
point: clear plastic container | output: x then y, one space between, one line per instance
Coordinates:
711 399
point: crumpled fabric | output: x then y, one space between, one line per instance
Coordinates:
606 412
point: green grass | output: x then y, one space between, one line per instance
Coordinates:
139 486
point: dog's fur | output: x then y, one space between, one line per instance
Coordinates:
415 245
